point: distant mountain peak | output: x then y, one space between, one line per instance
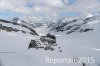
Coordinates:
90 15
71 25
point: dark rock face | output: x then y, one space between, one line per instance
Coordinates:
34 44
9 29
47 42
51 36
50 39
85 30
74 25
15 19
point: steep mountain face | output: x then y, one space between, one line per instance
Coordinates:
37 21
44 42
70 25
13 26
50 25
31 24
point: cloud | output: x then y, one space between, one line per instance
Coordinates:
49 7
83 5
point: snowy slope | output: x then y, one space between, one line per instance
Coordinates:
27 22
13 52
71 25
12 26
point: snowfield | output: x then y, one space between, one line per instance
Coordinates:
14 48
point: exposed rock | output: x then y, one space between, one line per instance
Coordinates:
24 24
50 39
47 42
71 25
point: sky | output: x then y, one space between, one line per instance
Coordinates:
45 8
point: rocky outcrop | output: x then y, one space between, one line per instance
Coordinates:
47 42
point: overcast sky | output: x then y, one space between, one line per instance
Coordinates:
52 8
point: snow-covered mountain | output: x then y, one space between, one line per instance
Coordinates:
29 23
70 25
35 22
20 27
16 27
25 28
19 48
39 21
